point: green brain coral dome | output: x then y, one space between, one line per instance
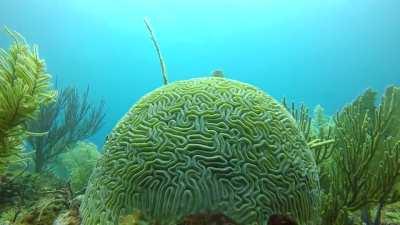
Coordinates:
206 145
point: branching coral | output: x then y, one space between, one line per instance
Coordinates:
79 163
366 168
68 120
316 130
26 194
320 136
24 87
157 47
10 216
392 214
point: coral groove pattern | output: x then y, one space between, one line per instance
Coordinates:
204 145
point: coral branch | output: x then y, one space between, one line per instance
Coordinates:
162 63
24 87
68 120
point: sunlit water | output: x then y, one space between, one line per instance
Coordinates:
317 52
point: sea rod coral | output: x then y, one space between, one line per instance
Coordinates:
70 119
366 161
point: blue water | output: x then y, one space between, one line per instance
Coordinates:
318 52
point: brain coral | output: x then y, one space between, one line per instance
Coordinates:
204 145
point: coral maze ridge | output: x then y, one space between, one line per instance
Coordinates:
204 145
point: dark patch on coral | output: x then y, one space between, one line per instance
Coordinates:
276 219
207 219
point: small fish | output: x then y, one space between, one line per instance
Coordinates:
218 73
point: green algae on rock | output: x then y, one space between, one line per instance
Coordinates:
204 145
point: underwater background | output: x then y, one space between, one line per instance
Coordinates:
316 52
321 148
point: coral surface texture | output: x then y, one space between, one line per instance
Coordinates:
205 145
